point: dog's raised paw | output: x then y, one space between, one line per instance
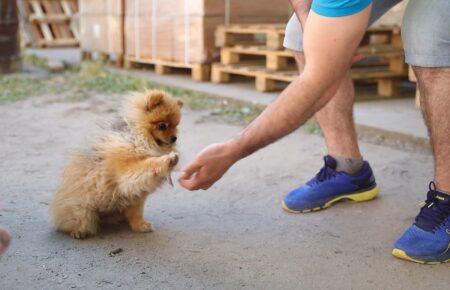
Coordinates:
173 159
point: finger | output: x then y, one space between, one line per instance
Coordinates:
190 169
190 184
198 181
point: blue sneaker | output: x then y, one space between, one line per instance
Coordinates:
427 241
330 186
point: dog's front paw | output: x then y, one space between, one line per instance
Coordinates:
142 227
172 159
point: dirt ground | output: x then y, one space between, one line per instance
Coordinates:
233 236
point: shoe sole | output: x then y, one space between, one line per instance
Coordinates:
358 197
402 255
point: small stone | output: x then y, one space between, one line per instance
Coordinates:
115 252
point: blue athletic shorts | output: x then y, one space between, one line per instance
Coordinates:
338 8
425 28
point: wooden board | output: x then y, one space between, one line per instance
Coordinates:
199 72
387 81
280 59
272 35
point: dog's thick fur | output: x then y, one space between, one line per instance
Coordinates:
126 162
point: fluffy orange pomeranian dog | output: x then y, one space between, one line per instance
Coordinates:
113 177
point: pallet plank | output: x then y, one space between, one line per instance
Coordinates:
387 81
199 72
37 9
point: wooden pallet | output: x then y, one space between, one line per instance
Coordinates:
383 35
115 59
280 59
199 72
265 79
272 35
271 63
50 23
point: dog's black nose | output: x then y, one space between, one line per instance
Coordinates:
173 139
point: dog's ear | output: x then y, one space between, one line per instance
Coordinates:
154 100
180 103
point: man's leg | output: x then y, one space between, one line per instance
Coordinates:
426 36
345 175
434 86
336 118
428 239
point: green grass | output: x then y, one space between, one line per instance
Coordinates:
19 87
93 77
34 61
312 127
79 83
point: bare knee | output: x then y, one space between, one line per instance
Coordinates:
432 79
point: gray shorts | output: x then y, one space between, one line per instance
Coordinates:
425 31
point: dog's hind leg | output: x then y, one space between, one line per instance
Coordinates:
86 224
77 220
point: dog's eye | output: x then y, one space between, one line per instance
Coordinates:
162 126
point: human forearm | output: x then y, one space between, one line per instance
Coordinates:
329 46
295 105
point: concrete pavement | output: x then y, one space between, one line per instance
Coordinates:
233 236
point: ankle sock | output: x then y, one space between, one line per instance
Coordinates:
349 165
443 192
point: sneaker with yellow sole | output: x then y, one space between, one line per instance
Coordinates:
330 186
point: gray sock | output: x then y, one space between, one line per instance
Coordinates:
349 165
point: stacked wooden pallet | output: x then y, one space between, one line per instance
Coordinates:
256 51
179 34
102 30
50 23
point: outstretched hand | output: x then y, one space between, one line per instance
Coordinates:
208 167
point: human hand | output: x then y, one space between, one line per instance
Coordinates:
209 166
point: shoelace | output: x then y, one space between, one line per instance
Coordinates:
326 172
433 213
